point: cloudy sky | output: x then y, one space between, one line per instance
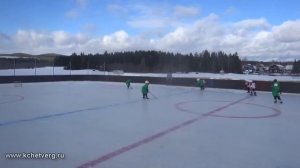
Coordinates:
264 29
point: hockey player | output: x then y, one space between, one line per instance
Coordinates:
276 91
247 86
200 83
252 89
145 90
128 82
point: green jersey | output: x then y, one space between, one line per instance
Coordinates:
145 89
200 83
275 89
128 82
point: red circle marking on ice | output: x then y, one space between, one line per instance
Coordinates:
14 98
275 112
153 137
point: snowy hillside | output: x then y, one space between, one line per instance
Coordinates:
61 71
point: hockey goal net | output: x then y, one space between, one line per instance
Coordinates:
18 84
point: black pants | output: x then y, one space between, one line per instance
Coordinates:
252 92
145 96
277 97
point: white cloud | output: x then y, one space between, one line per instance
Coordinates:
156 20
82 3
5 43
186 11
4 36
287 32
203 34
61 38
231 11
149 23
152 17
145 17
247 26
116 41
32 39
255 37
117 9
75 12
252 37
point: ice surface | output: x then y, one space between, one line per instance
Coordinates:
110 126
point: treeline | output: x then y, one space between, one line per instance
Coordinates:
153 61
23 62
296 67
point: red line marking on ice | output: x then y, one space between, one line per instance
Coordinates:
127 148
275 113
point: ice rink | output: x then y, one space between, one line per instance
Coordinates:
106 125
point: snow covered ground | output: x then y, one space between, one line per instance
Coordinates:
61 71
106 125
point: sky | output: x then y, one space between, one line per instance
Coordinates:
256 29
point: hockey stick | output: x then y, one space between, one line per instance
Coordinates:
153 95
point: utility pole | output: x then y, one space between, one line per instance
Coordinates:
104 68
14 67
53 69
34 66
88 67
70 67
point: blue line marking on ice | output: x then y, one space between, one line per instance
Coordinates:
56 115
73 112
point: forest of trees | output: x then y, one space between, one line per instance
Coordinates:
153 61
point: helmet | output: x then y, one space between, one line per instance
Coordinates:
275 80
146 81
198 79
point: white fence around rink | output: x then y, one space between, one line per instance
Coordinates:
62 71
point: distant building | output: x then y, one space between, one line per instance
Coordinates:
276 68
288 68
260 68
248 68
